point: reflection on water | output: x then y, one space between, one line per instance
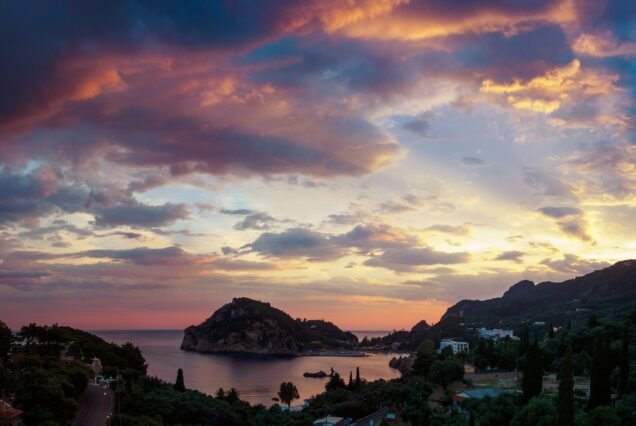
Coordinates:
257 379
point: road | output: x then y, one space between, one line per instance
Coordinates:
97 405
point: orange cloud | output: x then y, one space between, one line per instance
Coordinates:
424 21
546 93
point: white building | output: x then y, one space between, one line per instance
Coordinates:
457 347
495 333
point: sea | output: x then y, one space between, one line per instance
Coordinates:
256 379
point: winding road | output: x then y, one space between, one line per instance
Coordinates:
97 406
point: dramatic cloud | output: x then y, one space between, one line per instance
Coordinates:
164 157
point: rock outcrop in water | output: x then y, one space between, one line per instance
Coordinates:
252 327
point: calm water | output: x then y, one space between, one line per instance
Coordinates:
256 379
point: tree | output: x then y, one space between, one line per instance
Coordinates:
566 388
446 371
593 321
180 384
6 339
550 331
287 393
358 379
624 361
532 383
540 411
605 416
335 382
422 364
416 409
350 385
600 384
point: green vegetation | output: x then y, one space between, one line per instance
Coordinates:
47 375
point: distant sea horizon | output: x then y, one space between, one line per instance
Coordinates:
256 379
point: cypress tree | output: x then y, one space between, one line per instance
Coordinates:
180 384
525 340
600 386
532 382
358 380
350 386
566 388
624 361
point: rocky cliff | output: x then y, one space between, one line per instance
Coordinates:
253 327
607 291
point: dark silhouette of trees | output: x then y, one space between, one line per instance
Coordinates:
350 385
566 388
287 393
358 379
524 342
600 384
422 364
550 331
624 361
532 383
593 321
335 382
446 371
179 384
6 339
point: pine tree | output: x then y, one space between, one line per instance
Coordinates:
566 388
180 384
532 383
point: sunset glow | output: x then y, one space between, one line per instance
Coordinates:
366 162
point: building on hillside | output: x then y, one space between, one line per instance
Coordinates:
456 346
495 333
13 415
331 421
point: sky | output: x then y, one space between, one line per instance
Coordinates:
369 162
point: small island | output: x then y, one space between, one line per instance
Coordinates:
252 327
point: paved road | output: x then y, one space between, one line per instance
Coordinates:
97 405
